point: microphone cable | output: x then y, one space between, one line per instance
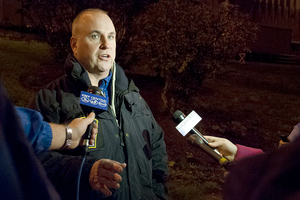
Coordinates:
86 147
79 175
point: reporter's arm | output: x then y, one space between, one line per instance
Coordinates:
43 135
231 151
244 151
295 133
38 132
78 126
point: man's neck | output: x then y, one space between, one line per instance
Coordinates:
95 78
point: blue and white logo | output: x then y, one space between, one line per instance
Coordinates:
93 100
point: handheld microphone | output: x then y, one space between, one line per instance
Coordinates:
186 125
91 100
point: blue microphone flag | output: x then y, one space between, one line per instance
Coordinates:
93 100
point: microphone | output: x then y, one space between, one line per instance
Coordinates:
186 125
92 99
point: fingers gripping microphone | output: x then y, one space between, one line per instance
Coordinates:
186 125
92 100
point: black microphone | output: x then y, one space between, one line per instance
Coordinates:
198 140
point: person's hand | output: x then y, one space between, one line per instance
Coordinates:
104 175
224 146
282 144
79 126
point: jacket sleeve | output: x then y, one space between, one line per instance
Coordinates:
159 163
38 132
243 152
295 133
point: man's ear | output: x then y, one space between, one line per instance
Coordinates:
73 43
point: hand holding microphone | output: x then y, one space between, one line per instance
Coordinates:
79 127
186 125
92 100
224 146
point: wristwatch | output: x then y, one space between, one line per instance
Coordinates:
68 137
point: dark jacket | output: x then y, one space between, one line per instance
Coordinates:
22 177
127 132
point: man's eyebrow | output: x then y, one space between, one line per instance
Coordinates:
98 32
95 31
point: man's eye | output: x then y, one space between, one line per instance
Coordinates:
111 37
95 36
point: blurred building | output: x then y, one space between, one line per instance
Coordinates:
279 21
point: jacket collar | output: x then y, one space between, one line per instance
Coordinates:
75 70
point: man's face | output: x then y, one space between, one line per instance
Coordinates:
94 43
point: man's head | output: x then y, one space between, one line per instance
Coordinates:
93 41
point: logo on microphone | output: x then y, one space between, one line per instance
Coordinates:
188 123
93 100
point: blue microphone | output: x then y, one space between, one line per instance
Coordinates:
94 98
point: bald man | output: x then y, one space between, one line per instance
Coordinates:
127 134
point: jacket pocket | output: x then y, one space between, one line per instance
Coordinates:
145 169
136 105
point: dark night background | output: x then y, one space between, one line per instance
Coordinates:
250 103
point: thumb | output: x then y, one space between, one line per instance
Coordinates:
213 144
209 138
90 118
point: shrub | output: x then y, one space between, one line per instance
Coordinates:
186 41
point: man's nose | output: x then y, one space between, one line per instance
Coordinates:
104 43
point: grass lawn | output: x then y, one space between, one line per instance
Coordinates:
250 104
19 61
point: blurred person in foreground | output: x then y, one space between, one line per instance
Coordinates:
21 174
259 176
127 130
